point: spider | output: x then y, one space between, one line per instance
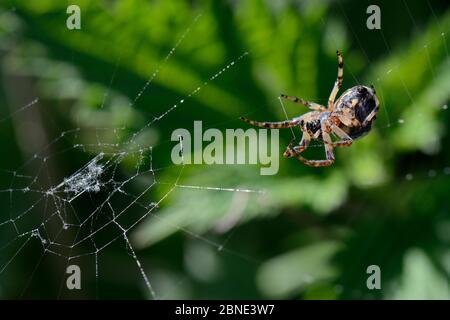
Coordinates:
349 118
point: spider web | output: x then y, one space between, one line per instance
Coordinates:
113 202
99 203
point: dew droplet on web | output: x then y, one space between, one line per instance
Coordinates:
409 177
444 107
401 121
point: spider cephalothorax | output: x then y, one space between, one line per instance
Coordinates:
348 118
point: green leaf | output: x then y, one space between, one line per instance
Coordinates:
288 273
420 279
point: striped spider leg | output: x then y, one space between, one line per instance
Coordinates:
338 82
273 125
311 105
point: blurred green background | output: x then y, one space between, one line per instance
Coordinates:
314 231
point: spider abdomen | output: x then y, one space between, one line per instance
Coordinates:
358 103
356 132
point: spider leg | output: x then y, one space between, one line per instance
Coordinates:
317 134
371 116
346 140
272 125
348 120
345 119
293 151
338 83
328 152
311 105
